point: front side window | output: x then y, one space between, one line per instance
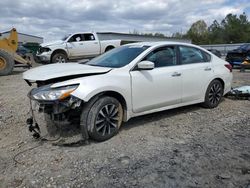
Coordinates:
162 57
189 55
76 38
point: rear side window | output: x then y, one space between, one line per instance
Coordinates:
189 55
162 57
89 36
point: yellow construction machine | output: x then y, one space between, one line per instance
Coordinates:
8 56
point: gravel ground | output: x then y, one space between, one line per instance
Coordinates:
184 147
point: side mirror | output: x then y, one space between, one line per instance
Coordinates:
145 65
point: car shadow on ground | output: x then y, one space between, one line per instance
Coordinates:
71 130
157 116
69 135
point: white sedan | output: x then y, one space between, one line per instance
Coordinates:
129 81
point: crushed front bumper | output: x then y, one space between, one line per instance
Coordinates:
44 57
58 109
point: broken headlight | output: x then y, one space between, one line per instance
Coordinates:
50 94
43 49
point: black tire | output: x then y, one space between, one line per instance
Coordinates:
109 48
59 58
102 117
214 94
6 63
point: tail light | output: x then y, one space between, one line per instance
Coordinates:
229 66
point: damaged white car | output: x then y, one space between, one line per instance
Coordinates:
129 81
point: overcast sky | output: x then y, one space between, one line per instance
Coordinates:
52 19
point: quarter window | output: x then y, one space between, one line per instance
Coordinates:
190 55
162 57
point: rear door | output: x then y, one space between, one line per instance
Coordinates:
91 46
197 71
159 87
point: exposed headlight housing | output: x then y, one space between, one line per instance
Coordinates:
43 49
47 93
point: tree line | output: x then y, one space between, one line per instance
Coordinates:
232 29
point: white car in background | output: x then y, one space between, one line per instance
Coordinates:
74 46
129 81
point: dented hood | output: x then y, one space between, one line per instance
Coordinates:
60 70
57 42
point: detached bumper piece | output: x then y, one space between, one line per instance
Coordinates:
240 93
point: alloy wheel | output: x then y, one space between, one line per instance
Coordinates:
215 94
107 120
60 59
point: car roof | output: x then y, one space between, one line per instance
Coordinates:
161 43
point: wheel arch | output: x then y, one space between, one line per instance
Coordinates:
109 47
216 78
221 81
58 51
117 96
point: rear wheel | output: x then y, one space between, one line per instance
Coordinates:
59 58
103 119
214 94
6 63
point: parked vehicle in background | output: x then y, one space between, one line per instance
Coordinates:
32 46
22 51
215 52
237 56
8 56
75 46
129 81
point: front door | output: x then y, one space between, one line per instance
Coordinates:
159 87
75 45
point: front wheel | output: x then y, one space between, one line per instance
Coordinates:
214 94
102 119
59 58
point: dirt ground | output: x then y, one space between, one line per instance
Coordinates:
184 147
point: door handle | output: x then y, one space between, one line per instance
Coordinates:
81 44
175 74
208 69
95 42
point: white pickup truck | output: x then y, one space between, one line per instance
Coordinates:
74 46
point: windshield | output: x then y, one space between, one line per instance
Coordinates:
65 37
118 57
